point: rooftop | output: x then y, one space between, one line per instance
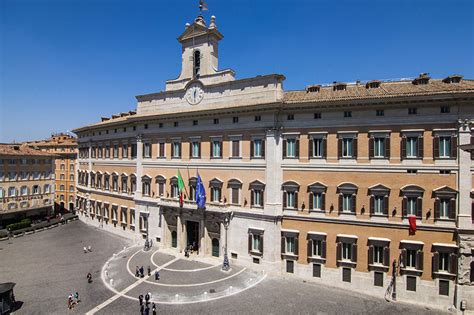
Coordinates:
21 150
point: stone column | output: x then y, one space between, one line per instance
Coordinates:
273 172
464 178
138 166
202 238
180 232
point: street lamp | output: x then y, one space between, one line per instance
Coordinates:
226 222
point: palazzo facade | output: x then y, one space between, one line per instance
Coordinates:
319 182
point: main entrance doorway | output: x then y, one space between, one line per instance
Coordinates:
192 231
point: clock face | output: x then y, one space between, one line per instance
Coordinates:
194 94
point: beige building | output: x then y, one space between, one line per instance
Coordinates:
26 183
320 183
64 146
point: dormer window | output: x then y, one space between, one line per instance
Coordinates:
422 79
339 86
313 88
455 78
372 84
196 63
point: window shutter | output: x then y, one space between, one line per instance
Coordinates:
419 260
310 148
325 148
338 251
340 202
339 148
311 205
260 247
404 206
297 148
354 252
420 147
323 248
371 147
323 201
172 149
385 205
262 195
436 208
387 147
371 255
284 148
252 202
372 205
452 208
386 256
222 149
472 151
435 262
190 149
453 264
309 248
211 153
263 148
403 258
282 245
296 245
284 199
180 150
419 207
354 147
250 242
435 147
251 148
296 200
403 148
354 204
454 147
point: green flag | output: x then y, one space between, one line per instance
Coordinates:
181 186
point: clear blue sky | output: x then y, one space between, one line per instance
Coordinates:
65 63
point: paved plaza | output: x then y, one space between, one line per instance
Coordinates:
47 266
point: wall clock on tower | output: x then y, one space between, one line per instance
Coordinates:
194 93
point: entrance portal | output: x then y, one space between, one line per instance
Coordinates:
192 230
215 247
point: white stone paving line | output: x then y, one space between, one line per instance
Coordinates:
178 270
121 293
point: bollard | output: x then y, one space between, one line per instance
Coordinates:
112 282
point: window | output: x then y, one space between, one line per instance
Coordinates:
134 151
107 182
291 148
124 151
146 126
290 195
216 121
71 177
412 111
445 259
347 149
47 189
412 147
215 194
195 149
317 147
61 188
346 251
147 150
36 189
176 150
160 125
71 168
115 183
192 188
411 257
379 112
290 117
124 183
235 148
24 190
347 114
174 187
317 116
317 196
290 245
347 198
234 186
379 200
176 124
146 189
196 64
132 217
235 120
256 194
412 202
2 193
316 246
107 151
257 148
115 151
93 152
161 149
133 183
445 109
444 147
445 203
61 177
123 215
258 118
379 146
195 122
256 243
216 148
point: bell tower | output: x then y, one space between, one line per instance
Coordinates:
199 49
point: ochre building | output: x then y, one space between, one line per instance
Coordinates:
323 183
26 183
64 146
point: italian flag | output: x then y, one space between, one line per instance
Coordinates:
181 188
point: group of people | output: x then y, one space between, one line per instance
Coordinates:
190 249
148 244
72 300
145 307
87 249
140 272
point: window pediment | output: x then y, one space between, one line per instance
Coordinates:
379 189
290 186
347 188
192 181
234 183
412 190
257 185
160 179
445 191
215 182
317 187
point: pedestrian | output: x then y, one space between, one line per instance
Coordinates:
142 309
142 271
137 272
69 301
76 297
147 310
157 275
89 277
147 299
149 271
85 250
89 248
140 299
153 308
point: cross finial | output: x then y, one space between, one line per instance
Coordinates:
202 6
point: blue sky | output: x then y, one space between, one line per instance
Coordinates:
66 63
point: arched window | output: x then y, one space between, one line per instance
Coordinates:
24 190
197 63
290 195
46 189
146 189
347 198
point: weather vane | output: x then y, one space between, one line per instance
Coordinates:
202 6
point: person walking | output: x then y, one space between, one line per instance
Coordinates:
157 275
140 299
147 299
76 297
153 308
142 309
137 272
149 271
89 277
142 272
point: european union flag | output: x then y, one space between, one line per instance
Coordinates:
200 194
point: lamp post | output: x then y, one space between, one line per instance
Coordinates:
226 222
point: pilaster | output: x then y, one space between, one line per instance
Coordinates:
273 172
464 178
